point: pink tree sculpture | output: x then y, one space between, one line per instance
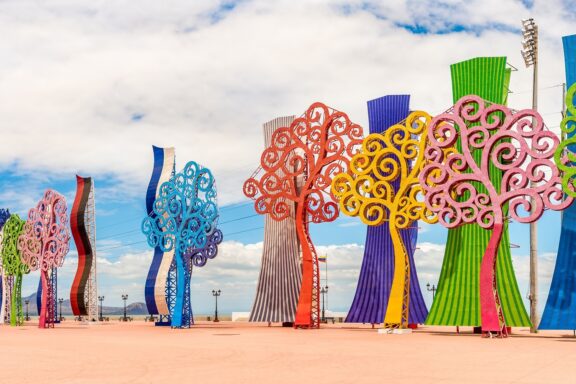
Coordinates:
44 243
460 189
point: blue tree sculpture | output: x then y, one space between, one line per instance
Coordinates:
184 219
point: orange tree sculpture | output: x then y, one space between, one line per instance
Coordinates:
298 167
461 190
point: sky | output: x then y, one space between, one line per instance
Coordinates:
88 87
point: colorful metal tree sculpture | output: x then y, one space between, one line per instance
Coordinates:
6 286
184 218
13 266
308 154
521 149
44 243
368 191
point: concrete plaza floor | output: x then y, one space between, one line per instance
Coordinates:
226 352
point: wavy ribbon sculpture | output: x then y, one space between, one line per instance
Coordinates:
183 221
280 272
159 290
84 293
44 243
298 168
6 282
13 267
560 309
368 191
460 190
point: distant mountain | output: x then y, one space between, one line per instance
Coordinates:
131 309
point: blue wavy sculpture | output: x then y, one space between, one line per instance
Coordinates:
183 220
560 310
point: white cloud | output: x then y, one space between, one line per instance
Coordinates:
76 75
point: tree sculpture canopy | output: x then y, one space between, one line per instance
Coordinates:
45 238
459 188
11 259
298 167
183 220
382 185
565 157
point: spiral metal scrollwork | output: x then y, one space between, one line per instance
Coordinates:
185 211
45 238
395 156
565 156
11 258
314 149
459 188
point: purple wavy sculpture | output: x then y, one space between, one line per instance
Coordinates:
375 280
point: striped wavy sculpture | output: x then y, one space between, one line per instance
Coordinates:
280 273
368 190
160 287
84 292
460 190
183 221
7 284
298 167
44 243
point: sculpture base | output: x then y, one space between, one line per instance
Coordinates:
394 331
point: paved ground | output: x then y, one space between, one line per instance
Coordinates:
229 352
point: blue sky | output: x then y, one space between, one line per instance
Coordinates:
89 88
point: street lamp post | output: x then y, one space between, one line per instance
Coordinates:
324 291
433 290
216 294
60 301
101 299
27 302
125 297
530 55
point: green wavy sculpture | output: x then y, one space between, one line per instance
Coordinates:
457 300
565 156
13 265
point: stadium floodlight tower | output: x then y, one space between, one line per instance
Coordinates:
530 55
84 291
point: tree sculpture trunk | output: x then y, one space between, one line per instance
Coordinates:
306 314
490 309
180 289
16 307
44 307
398 303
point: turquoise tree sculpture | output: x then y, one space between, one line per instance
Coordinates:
183 220
13 266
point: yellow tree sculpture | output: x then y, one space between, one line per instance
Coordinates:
382 185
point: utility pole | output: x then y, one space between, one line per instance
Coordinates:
530 55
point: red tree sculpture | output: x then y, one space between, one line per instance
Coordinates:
461 189
298 167
43 243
